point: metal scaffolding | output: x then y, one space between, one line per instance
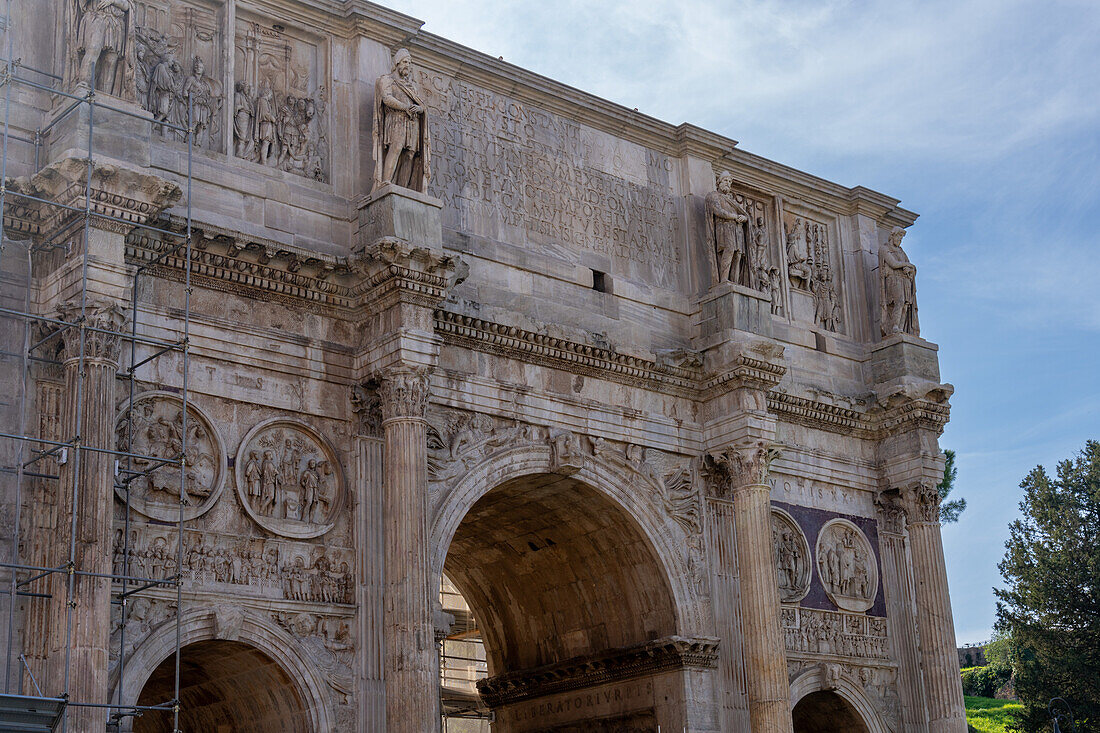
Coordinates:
31 459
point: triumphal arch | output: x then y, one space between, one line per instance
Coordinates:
364 382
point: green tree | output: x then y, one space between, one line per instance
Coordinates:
1051 605
949 510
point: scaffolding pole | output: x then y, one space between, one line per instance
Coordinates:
31 449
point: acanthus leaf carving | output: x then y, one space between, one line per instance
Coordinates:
892 514
924 498
99 324
736 466
403 392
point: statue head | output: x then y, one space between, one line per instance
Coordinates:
725 182
402 62
896 235
198 68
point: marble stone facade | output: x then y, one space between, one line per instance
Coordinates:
659 408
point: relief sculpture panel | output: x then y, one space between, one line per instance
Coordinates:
792 557
846 565
155 433
279 101
288 479
812 271
177 64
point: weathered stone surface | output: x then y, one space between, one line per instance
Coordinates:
658 407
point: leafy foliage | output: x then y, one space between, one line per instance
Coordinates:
949 510
984 681
1051 605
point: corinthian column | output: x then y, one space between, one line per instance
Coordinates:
765 656
86 495
939 658
897 584
412 694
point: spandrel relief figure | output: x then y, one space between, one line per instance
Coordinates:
728 235
898 293
402 145
101 31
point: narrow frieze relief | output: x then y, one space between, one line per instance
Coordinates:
241 565
834 633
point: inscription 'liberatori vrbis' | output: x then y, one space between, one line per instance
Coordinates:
502 161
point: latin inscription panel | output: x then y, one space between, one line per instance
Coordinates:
513 172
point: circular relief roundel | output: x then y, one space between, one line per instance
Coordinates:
288 479
792 557
156 432
846 565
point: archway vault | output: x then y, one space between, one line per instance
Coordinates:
259 636
612 483
582 587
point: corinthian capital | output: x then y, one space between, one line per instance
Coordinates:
923 500
891 511
403 392
99 325
738 466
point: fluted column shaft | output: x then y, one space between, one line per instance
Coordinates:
765 656
939 657
901 610
85 499
412 695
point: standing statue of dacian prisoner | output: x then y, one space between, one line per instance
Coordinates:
100 33
727 235
402 147
898 277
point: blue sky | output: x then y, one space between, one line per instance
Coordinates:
983 116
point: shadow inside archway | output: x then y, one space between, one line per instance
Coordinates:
225 687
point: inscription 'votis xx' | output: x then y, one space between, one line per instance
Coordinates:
499 160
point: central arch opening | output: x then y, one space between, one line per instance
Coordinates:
225 687
561 581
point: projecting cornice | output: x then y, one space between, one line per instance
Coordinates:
615 665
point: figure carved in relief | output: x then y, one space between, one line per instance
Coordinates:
898 295
310 482
244 115
727 235
269 481
164 86
402 146
798 259
102 36
203 103
253 475
266 123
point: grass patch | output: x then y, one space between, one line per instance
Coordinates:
989 715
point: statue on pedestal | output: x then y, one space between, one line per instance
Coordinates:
898 294
727 235
402 146
100 31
